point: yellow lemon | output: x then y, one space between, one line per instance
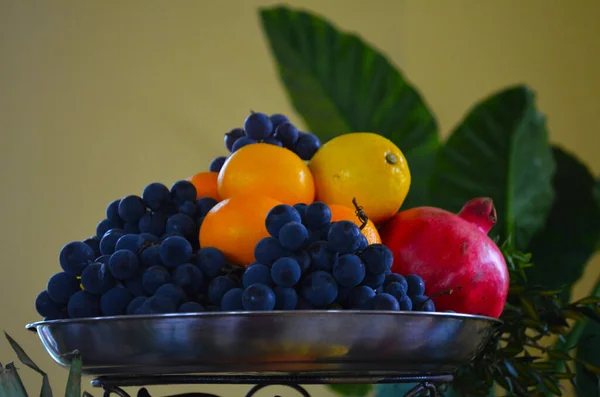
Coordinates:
363 165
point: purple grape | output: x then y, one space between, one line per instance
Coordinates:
307 145
278 119
232 136
217 163
240 143
287 133
258 126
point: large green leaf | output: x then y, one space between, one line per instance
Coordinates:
597 192
563 247
597 197
340 84
500 151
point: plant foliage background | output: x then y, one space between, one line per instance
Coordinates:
547 199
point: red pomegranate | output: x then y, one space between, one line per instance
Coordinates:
451 252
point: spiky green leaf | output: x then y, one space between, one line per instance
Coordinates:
552 386
46 390
589 300
558 355
588 355
10 382
74 381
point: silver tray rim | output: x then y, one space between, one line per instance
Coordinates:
131 317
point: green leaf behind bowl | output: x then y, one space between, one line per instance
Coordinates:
340 84
500 150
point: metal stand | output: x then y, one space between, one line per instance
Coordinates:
427 385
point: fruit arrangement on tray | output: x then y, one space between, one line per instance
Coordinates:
283 223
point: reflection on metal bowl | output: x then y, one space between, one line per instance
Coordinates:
291 342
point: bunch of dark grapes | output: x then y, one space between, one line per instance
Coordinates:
144 258
275 130
309 262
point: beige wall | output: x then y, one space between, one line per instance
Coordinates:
99 98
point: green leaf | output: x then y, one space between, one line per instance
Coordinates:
597 192
574 337
589 313
563 375
592 368
74 381
351 390
542 366
568 239
597 198
500 150
10 382
589 300
46 390
551 386
573 315
529 309
340 84
558 355
588 351
542 291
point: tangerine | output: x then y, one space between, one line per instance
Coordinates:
205 184
269 170
236 225
342 213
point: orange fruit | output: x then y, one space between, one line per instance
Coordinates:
343 213
206 184
236 225
269 170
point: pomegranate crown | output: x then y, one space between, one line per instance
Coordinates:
480 212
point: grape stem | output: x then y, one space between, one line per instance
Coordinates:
362 217
232 269
446 292
145 245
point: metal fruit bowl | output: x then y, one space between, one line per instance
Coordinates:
276 342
